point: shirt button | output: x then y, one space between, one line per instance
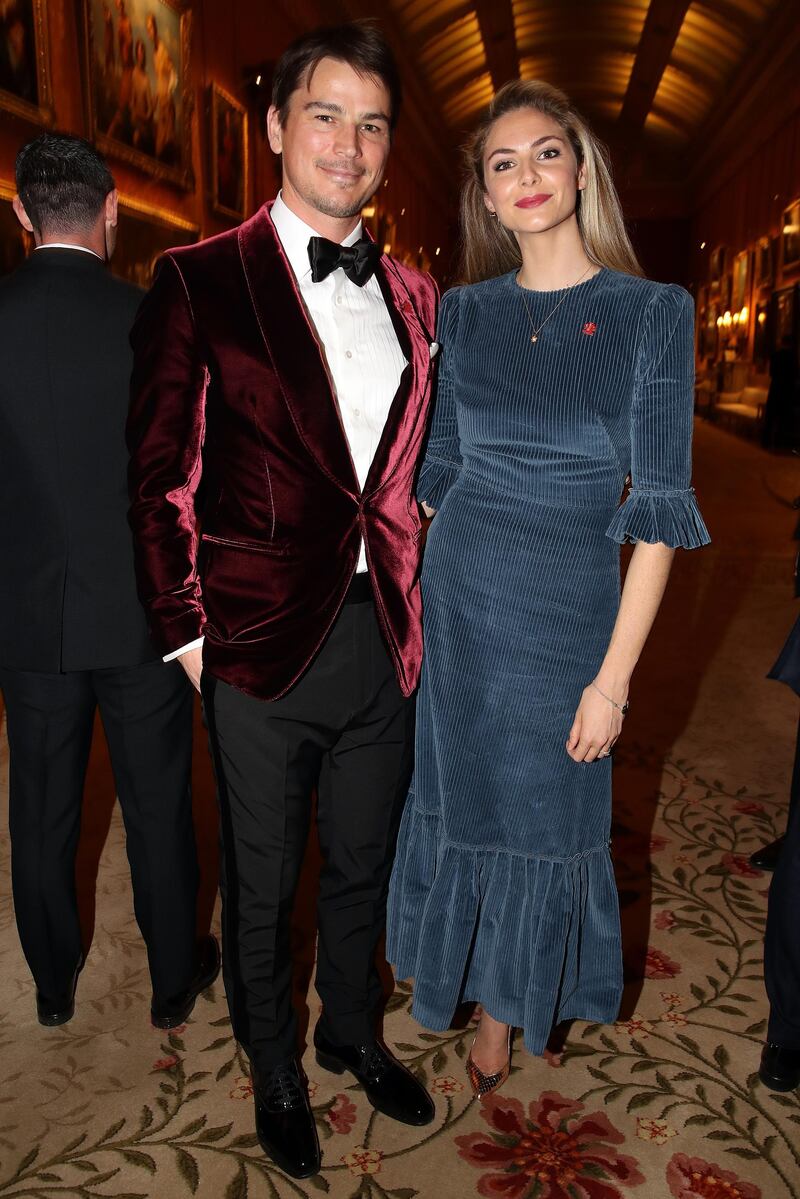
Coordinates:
356 412
348 353
339 300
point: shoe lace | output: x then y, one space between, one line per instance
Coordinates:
284 1089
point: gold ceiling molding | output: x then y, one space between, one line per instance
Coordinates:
418 16
643 70
469 101
455 53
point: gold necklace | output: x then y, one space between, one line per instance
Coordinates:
534 330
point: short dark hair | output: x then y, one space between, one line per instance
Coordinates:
358 43
62 182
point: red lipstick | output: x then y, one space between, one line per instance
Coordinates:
533 201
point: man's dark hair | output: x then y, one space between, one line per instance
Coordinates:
62 182
358 43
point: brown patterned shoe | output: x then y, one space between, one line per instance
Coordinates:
484 1084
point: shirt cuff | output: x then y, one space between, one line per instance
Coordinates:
176 653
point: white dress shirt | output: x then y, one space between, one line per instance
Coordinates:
358 341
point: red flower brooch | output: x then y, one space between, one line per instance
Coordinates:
590 328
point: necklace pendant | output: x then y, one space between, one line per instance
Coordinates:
535 337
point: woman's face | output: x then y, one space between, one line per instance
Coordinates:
530 172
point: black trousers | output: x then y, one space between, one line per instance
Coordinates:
147 716
782 937
346 730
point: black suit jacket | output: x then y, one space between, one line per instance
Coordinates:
67 587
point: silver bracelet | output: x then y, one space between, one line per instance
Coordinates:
623 708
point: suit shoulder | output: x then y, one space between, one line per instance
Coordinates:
125 293
204 255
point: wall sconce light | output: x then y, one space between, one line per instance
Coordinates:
736 318
744 315
719 322
702 245
762 318
387 249
402 212
438 251
369 211
727 320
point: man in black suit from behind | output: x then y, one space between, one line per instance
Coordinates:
73 636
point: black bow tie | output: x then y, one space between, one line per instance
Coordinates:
358 261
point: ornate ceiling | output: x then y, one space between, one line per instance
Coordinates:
652 67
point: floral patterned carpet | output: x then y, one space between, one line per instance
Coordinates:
665 1103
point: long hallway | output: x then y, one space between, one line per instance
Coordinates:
664 1103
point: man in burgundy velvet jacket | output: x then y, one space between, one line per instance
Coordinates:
290 374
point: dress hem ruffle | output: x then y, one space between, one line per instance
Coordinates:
530 938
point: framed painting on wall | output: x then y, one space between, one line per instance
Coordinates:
139 97
229 157
144 233
718 264
741 280
782 325
25 60
762 272
790 238
15 243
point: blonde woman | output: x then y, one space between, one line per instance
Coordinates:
564 374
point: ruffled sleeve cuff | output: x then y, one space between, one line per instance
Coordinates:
435 479
669 517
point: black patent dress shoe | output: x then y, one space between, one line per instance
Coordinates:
58 1009
766 858
390 1087
780 1067
284 1121
169 1013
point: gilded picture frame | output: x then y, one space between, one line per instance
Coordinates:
762 273
790 237
139 93
144 233
741 280
229 154
25 85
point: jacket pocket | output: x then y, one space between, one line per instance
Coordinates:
256 547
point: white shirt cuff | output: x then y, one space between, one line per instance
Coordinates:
176 653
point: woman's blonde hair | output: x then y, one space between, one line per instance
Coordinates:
487 248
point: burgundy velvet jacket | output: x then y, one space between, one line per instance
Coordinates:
246 509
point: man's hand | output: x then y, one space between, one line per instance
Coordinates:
192 663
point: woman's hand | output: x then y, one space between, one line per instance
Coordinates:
596 727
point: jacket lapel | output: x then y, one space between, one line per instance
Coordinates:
292 345
406 406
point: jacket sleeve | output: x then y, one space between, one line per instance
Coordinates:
166 426
661 506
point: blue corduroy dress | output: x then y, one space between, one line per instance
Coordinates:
503 890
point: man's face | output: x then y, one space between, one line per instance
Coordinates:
334 144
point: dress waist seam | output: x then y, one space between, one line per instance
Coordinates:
447 843
481 483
